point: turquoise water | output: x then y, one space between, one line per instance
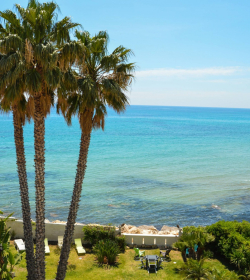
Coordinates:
151 165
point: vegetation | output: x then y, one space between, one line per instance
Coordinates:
232 241
93 234
37 60
192 237
106 251
126 267
37 56
12 99
8 259
102 80
194 269
106 244
35 52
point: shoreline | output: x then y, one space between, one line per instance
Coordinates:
121 229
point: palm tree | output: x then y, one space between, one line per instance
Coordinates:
46 51
223 275
182 246
12 99
202 239
238 258
102 80
195 270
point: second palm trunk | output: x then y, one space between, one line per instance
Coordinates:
69 231
39 133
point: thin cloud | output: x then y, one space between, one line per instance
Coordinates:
214 71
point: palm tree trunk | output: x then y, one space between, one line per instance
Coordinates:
183 254
24 193
69 231
39 133
199 253
192 253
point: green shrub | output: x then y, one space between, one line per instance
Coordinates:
97 233
232 240
208 254
121 242
94 234
193 236
106 248
193 269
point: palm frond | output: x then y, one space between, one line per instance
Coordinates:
61 30
11 43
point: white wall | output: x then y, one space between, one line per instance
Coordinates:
53 230
147 239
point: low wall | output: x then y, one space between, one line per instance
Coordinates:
52 230
142 240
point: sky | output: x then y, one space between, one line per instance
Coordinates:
187 53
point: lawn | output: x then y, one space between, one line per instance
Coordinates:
86 267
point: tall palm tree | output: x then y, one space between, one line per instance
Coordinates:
46 51
101 81
195 270
12 99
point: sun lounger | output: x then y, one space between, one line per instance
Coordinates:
60 241
19 244
47 250
80 250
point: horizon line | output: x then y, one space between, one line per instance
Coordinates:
193 106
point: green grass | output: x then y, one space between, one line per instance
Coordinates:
126 267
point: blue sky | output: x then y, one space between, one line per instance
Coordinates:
188 53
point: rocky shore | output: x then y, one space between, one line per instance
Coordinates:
149 230
135 230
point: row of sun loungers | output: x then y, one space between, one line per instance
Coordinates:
79 248
20 246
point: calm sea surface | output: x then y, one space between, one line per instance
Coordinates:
152 165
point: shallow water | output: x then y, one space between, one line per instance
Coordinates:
151 165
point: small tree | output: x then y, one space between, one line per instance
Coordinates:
195 270
238 258
223 275
182 246
191 236
7 260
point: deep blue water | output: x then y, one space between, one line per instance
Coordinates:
151 165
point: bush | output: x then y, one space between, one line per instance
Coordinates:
208 254
94 234
193 269
232 240
106 249
121 242
193 236
97 233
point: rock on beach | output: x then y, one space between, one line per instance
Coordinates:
148 230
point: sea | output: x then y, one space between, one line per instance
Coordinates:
151 165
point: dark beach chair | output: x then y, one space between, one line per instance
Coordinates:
142 264
165 254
